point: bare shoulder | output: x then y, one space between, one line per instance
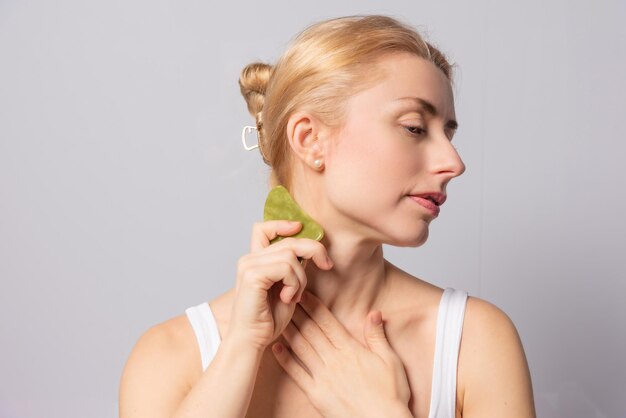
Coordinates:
492 364
159 370
410 291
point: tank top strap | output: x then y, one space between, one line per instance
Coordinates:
207 333
447 344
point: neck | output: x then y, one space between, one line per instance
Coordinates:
358 282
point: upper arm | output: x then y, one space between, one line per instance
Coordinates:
155 379
497 380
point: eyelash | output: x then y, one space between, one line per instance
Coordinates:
422 130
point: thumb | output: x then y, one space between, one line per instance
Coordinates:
375 333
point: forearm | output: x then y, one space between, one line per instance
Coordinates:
226 386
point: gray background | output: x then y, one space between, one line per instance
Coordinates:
126 195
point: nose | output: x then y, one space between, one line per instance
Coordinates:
446 159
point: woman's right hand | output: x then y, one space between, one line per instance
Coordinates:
263 306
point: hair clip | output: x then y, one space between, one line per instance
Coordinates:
246 130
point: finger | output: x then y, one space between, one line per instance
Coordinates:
264 232
302 348
314 335
293 248
282 255
375 336
292 367
334 330
264 276
305 248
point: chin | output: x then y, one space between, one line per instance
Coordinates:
416 240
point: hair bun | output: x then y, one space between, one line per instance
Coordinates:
253 83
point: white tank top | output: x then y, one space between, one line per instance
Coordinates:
447 343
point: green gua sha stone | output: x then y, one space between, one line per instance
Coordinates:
279 205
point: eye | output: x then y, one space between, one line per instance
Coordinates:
415 130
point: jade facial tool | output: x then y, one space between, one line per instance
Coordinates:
279 205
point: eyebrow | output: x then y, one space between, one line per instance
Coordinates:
430 108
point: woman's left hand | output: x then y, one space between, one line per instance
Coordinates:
344 378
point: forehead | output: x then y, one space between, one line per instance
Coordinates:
407 75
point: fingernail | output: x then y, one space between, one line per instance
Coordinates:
278 348
377 318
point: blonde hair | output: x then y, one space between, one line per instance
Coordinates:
322 67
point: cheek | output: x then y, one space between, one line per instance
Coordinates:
385 158
359 155
368 166
372 145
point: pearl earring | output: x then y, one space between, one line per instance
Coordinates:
317 163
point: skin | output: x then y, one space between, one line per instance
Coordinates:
360 198
361 211
370 166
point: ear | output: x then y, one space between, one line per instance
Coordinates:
305 136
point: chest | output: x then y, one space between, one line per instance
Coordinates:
276 395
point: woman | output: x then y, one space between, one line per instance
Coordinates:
356 121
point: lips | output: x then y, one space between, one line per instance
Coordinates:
428 204
436 198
